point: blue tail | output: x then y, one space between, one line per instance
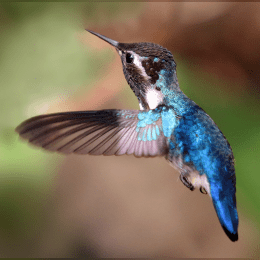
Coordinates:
224 201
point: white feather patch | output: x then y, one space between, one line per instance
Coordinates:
138 62
154 98
141 107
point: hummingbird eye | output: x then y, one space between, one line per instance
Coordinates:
129 57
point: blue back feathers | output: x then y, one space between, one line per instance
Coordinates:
199 138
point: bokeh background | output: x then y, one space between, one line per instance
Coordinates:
70 206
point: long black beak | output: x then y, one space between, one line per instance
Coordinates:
112 42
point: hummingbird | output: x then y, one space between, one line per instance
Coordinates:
168 124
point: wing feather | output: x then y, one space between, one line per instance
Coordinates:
107 132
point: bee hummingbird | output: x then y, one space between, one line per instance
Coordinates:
168 124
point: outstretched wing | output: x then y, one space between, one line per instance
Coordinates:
107 132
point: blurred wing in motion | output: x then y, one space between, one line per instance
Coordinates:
107 132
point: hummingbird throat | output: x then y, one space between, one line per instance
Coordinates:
149 68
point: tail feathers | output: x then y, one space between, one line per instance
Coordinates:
226 210
232 237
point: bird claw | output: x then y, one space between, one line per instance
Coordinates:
203 190
186 182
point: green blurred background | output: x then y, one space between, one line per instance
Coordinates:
69 206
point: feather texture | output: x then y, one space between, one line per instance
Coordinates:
107 132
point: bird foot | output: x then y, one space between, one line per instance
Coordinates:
186 182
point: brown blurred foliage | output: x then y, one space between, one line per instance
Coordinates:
129 207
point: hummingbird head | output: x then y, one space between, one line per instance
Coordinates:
149 69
